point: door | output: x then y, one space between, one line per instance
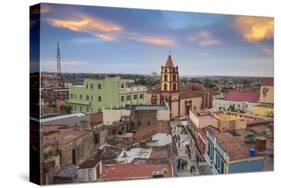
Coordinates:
73 156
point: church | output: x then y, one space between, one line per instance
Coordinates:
180 98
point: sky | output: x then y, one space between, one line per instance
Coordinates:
118 40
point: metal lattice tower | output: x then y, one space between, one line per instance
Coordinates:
58 61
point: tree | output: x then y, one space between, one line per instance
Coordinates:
231 108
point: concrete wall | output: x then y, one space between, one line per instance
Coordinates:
175 109
201 122
111 115
163 115
83 146
89 174
196 103
232 125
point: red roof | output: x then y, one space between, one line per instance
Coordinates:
267 82
242 96
133 171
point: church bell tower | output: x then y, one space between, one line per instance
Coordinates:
169 83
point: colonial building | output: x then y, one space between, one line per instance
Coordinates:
96 94
180 98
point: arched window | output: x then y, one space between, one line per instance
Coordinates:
165 78
174 87
165 87
174 77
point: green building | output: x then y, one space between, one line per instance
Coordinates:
96 94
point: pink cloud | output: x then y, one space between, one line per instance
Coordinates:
204 39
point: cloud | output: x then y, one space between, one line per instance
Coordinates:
106 30
254 29
267 50
85 24
153 40
106 37
204 39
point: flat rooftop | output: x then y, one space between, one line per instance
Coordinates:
149 107
61 135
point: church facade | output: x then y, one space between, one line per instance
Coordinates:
180 98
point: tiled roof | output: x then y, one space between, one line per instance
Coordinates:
267 82
242 96
133 171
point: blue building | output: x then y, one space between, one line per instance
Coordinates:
226 153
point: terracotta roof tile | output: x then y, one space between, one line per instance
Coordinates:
133 171
242 96
267 82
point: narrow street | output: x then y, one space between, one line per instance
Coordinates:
186 162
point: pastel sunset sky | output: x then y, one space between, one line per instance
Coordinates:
119 40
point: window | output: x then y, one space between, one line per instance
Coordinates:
174 87
71 95
141 96
165 87
174 77
99 109
96 138
122 98
87 85
122 85
87 109
91 86
91 98
128 98
222 167
135 97
99 86
99 98
217 162
87 97
81 108
81 97
165 77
